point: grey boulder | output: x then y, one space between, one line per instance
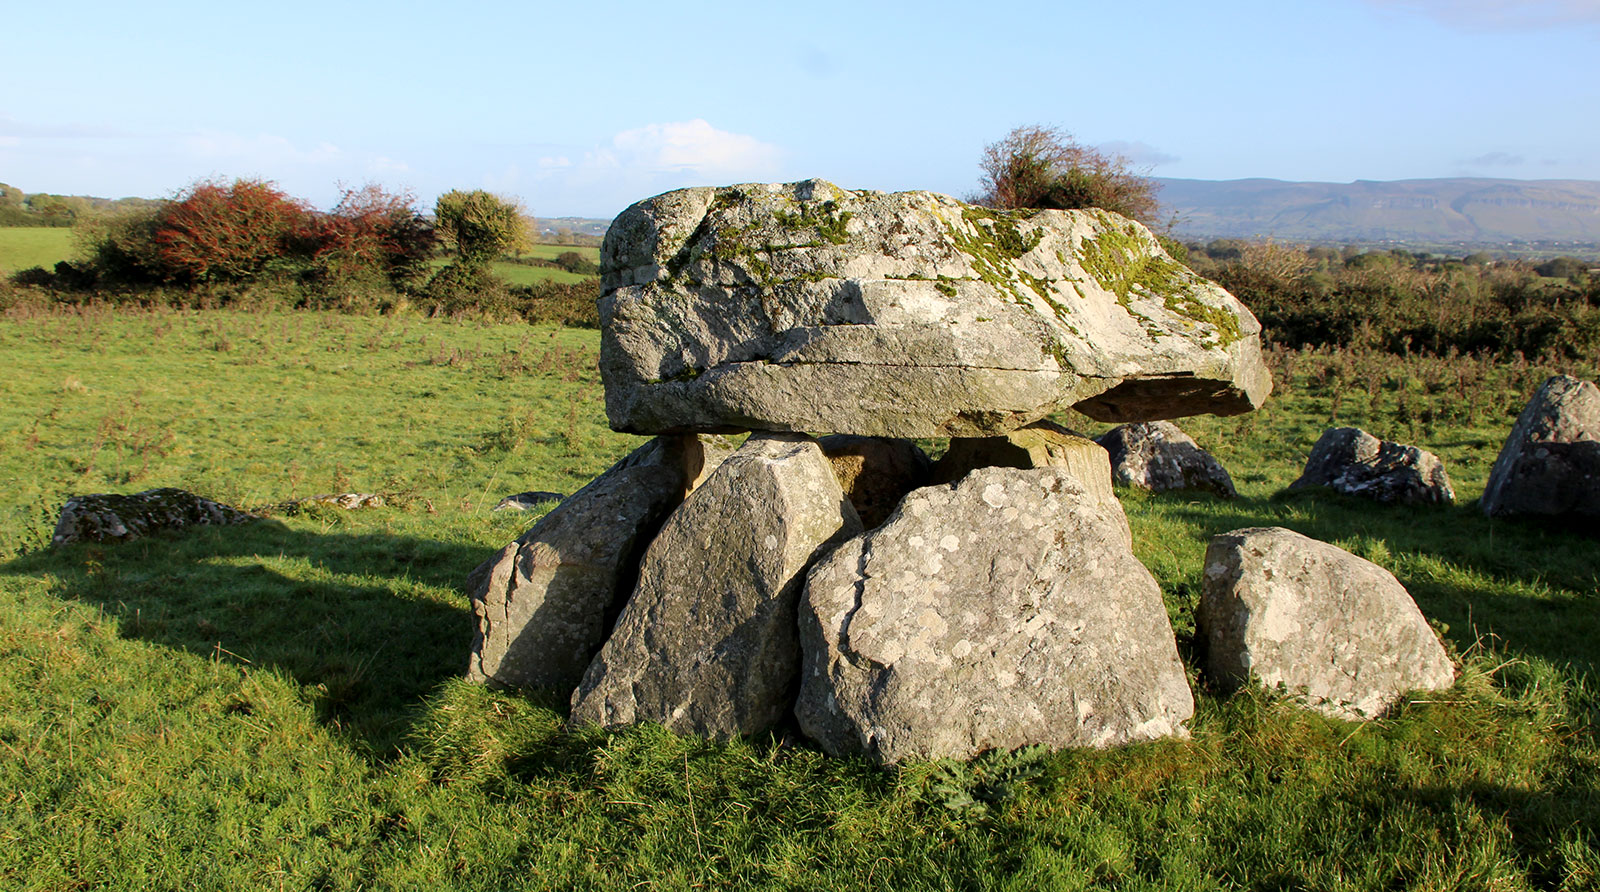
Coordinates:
1351 461
707 644
1337 631
1002 611
543 605
806 307
1158 456
1550 463
106 517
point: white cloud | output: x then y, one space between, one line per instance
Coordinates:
1141 154
1479 15
641 162
692 147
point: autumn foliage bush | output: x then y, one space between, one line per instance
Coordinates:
246 231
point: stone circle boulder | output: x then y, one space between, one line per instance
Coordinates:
543 605
1334 629
1001 611
107 517
1351 461
708 643
875 472
1158 456
806 307
1550 463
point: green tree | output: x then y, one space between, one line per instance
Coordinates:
1043 167
480 226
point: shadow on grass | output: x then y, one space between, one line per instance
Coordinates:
1531 586
369 623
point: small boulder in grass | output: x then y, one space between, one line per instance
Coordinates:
1336 630
1351 461
107 517
527 501
1158 456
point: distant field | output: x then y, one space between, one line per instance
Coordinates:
22 247
551 252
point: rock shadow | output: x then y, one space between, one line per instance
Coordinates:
357 618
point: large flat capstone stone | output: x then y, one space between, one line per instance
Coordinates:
708 642
806 307
1002 611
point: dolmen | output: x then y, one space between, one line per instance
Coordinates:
844 585
1550 463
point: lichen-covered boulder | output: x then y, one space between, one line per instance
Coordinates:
1351 461
1042 444
1337 631
1002 611
707 644
106 517
807 307
875 472
1158 456
543 604
1550 463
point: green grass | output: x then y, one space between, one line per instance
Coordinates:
523 274
551 252
278 705
23 247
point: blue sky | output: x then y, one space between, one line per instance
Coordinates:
580 109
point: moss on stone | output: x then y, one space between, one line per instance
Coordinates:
1122 262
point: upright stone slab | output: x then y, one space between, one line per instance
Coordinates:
1158 456
1043 444
544 603
707 644
1004 610
1351 461
1550 463
876 472
1334 629
108 517
806 307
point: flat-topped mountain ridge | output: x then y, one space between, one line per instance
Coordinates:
1464 209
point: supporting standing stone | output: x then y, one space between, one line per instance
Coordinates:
1043 444
1003 611
1158 456
1351 461
876 472
707 644
1336 630
544 603
1550 463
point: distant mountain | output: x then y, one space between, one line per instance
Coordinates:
1462 211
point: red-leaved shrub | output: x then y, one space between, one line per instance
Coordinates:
227 233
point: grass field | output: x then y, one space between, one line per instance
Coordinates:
278 705
22 247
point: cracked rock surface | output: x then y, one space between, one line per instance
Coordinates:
1001 611
707 643
806 307
542 606
1351 461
